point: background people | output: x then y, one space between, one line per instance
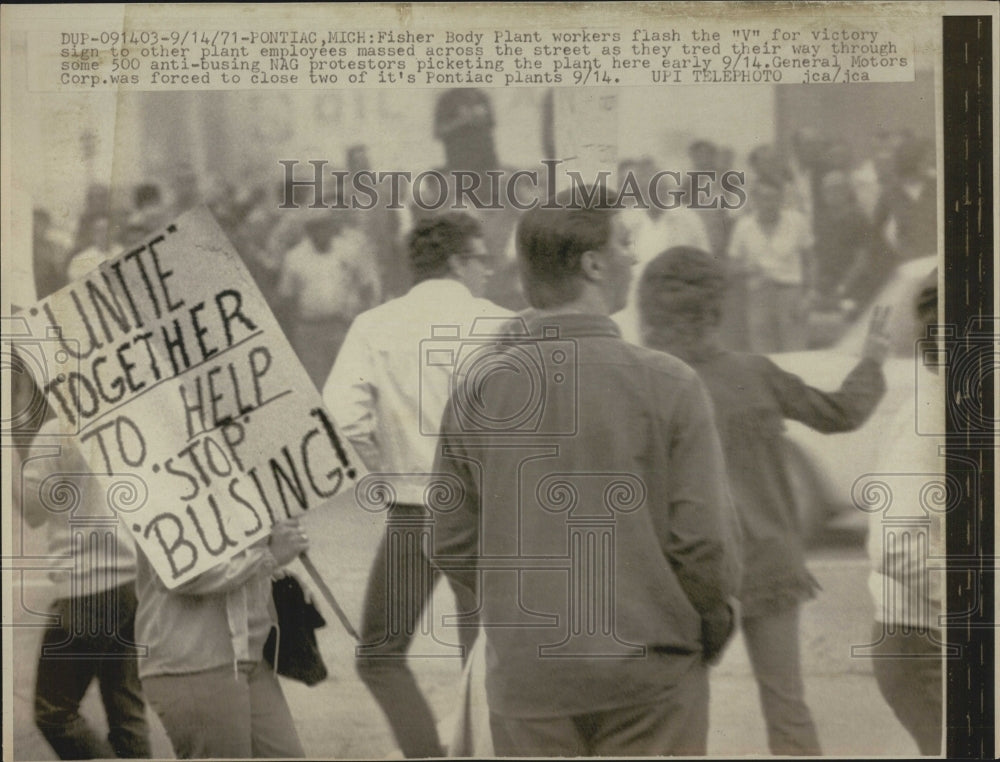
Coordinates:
772 247
329 278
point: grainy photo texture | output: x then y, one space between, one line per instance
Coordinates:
492 380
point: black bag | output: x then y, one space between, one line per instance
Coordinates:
298 619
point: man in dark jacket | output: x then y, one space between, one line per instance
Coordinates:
589 509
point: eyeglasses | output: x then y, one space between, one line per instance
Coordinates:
484 259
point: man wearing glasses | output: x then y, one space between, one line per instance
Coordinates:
387 396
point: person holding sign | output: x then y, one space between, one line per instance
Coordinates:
205 675
387 401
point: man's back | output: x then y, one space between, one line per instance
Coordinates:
392 377
598 515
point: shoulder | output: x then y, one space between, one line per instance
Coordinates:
385 314
480 307
660 366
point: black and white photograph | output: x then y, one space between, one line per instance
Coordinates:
488 380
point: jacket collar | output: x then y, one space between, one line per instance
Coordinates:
570 324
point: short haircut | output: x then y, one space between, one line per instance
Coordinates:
701 145
681 291
551 240
434 240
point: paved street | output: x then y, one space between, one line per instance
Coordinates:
338 719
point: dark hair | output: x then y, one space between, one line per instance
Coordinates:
909 156
462 107
680 298
701 145
551 239
146 194
434 240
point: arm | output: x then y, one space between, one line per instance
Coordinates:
848 407
456 533
830 412
286 542
699 532
351 398
231 574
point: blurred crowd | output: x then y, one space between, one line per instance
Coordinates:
822 228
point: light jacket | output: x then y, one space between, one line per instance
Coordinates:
220 617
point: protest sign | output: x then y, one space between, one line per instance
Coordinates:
170 366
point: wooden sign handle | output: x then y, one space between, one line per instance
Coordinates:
328 595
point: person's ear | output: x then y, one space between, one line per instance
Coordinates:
592 265
455 265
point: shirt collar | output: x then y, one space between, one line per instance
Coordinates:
443 286
570 325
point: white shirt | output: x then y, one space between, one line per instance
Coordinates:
776 255
339 283
801 183
906 539
674 227
392 378
867 187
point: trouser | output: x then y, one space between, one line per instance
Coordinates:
225 713
775 318
92 639
909 675
773 645
400 583
676 725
